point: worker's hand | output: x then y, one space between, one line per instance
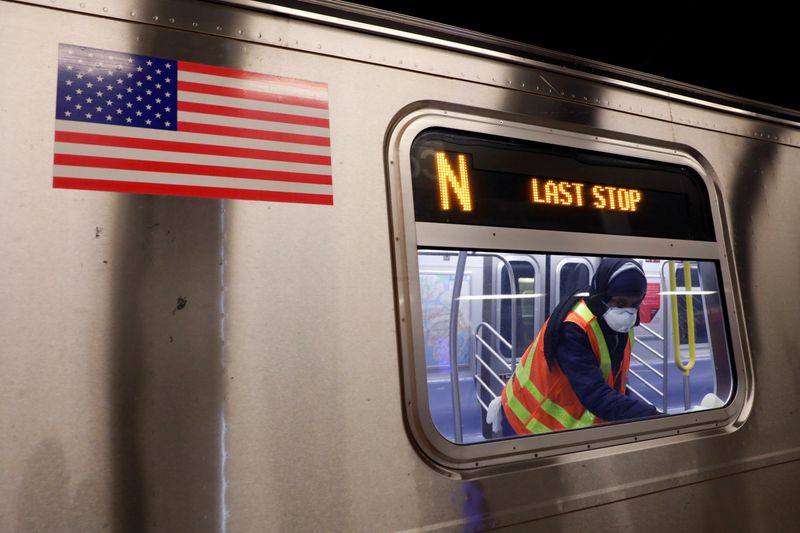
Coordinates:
494 414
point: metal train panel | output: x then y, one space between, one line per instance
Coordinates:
196 364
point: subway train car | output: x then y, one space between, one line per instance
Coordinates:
265 267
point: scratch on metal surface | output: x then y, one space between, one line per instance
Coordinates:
549 84
180 304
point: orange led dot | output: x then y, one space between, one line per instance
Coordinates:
564 193
636 197
623 200
535 192
611 197
578 193
551 192
599 200
459 182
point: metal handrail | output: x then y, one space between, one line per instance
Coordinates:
652 332
496 355
478 394
493 352
477 337
651 350
485 407
652 387
640 396
492 372
645 363
487 387
494 331
661 375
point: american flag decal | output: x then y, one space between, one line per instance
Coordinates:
148 125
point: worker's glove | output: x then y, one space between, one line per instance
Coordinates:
711 401
494 414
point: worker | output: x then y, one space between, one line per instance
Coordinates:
573 374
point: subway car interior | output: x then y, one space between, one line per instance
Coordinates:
504 300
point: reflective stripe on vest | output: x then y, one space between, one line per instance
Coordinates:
523 373
554 416
599 341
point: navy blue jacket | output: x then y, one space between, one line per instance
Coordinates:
579 364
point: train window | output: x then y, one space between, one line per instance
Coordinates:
657 375
499 227
572 276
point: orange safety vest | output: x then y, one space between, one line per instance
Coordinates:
539 399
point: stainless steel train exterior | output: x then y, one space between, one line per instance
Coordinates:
171 363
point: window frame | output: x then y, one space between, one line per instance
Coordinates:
408 236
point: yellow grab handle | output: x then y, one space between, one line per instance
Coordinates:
687 277
676 339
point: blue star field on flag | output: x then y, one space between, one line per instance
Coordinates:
115 88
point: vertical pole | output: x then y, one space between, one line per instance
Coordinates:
665 343
454 384
687 277
676 336
687 397
512 290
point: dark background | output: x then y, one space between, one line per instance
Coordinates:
751 54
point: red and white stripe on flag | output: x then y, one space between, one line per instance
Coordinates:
140 124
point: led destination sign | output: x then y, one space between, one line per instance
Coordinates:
571 194
464 178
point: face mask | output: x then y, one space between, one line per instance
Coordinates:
620 319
